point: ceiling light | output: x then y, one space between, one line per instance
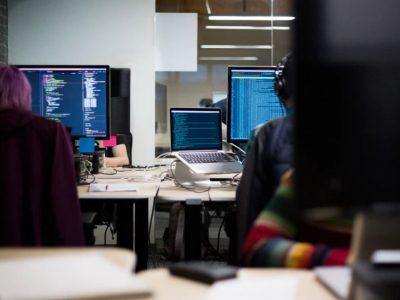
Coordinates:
236 46
248 27
251 18
208 7
246 58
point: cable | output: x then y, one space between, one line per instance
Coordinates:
219 232
151 221
105 173
238 148
152 212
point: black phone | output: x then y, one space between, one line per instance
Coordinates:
203 272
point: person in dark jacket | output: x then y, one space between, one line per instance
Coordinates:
39 205
270 156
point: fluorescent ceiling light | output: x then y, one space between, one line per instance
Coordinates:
208 7
248 27
247 58
251 18
236 46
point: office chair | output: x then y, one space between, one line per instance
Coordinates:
126 138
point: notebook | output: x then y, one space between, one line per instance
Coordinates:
69 276
196 140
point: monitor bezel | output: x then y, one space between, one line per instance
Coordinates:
108 91
229 100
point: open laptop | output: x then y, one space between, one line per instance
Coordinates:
196 140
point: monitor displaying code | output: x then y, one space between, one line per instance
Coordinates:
78 97
195 129
251 100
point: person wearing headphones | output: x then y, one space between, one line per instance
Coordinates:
273 233
271 154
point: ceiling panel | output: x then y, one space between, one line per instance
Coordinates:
281 40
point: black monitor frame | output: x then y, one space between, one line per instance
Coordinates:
108 90
347 156
193 109
230 139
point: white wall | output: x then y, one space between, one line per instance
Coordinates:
176 32
117 33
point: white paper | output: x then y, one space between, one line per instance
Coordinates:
279 287
335 278
113 187
66 277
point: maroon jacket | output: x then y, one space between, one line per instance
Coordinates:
39 204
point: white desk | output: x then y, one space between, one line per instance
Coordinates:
216 194
129 226
122 285
120 257
165 286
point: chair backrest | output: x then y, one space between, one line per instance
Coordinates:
126 138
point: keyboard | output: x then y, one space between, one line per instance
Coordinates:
206 157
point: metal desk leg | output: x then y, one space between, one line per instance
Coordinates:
192 229
141 233
125 224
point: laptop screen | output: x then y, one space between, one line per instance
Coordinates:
195 129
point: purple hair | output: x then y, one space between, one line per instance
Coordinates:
15 90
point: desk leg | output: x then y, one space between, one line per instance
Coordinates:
141 234
192 230
125 224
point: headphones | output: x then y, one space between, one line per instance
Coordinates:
281 84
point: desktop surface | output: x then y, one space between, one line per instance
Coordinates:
306 287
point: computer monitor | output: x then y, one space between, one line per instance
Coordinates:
347 123
251 100
77 96
347 108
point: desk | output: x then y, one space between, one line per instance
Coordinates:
165 286
216 194
108 274
125 220
169 192
120 257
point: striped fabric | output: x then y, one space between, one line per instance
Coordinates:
271 241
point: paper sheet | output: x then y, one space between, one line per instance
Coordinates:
113 187
279 287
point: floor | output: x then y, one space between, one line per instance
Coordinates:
216 252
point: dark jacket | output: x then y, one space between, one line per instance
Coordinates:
39 204
270 156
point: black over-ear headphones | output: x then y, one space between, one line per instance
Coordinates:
281 84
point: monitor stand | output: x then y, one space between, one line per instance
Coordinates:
373 231
185 176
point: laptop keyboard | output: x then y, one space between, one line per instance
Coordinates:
206 157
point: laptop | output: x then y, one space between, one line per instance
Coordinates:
196 140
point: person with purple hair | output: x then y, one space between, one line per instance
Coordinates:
39 205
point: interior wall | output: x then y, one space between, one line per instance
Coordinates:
3 31
93 32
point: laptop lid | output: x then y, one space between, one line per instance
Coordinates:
195 129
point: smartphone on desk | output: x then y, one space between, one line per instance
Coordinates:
203 272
